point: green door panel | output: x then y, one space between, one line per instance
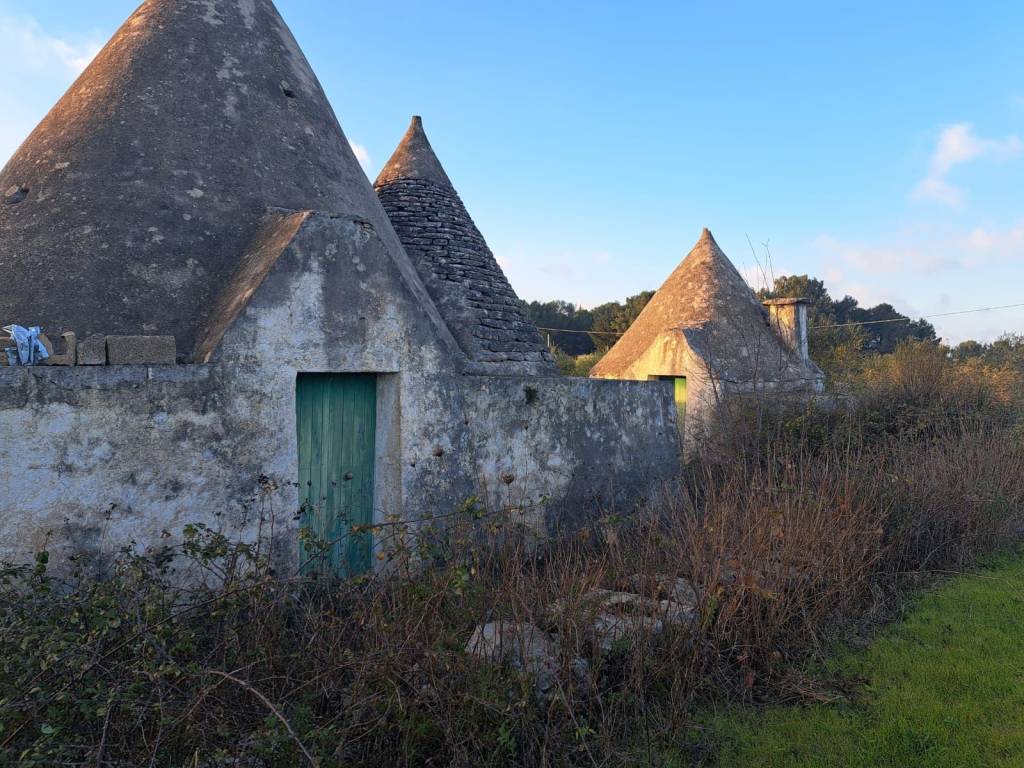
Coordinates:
679 384
681 399
336 415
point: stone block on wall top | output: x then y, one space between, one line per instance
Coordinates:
93 350
68 356
141 350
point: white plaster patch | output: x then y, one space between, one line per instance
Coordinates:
231 106
248 10
211 17
229 68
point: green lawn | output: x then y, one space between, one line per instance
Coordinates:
945 687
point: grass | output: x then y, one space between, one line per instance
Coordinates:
943 687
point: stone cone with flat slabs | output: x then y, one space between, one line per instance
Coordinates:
459 270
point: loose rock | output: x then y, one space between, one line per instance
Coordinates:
520 645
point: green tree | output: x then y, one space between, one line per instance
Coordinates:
1005 352
615 318
835 324
562 314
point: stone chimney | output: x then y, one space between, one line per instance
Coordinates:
789 321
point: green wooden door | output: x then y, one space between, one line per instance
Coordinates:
681 400
337 419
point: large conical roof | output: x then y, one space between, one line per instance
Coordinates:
130 205
707 300
459 270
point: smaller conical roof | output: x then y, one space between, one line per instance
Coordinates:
708 300
461 274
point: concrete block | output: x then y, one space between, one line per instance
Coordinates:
93 351
68 356
141 350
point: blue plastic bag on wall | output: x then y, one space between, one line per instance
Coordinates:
28 349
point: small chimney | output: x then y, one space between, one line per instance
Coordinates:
789 320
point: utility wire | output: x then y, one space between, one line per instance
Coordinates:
588 333
923 317
822 327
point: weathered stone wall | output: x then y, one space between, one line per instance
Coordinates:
93 458
556 449
100 456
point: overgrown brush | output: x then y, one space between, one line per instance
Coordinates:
790 530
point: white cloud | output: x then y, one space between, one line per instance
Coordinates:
27 47
888 257
939 190
362 155
926 252
984 245
38 68
957 145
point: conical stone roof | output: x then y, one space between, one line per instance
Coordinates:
459 270
129 206
724 323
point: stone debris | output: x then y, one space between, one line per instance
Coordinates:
613 616
141 350
610 628
665 587
520 645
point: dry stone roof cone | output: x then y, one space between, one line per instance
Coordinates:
708 300
459 270
136 195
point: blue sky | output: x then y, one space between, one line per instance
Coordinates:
877 145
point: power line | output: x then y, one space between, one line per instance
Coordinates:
588 333
923 317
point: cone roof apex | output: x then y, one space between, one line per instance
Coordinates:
414 159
